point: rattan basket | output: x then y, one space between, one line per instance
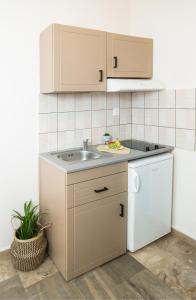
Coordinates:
27 255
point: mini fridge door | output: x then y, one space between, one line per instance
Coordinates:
149 202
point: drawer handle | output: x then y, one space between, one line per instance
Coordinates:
122 210
101 75
115 62
101 190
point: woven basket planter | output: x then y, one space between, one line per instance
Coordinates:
27 255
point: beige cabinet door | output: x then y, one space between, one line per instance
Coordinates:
99 232
129 57
79 59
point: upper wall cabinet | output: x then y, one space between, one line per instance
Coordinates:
129 57
72 59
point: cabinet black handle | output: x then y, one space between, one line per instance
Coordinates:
101 75
115 62
101 190
122 210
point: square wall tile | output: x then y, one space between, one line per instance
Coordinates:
138 100
66 102
151 99
151 134
185 98
167 117
99 118
66 140
47 123
167 136
185 139
112 117
47 142
125 131
113 100
47 103
98 100
138 115
125 100
97 134
151 116
125 115
66 121
137 132
83 101
81 135
83 120
167 99
185 118
114 131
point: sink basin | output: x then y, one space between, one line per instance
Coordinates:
77 155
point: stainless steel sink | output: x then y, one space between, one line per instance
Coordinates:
76 155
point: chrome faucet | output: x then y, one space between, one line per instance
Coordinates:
85 145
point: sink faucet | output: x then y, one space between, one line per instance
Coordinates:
85 145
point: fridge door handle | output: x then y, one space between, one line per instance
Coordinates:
136 183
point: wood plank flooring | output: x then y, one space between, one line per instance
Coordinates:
165 269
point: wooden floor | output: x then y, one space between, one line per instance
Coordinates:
165 269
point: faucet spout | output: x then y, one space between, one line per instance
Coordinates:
85 145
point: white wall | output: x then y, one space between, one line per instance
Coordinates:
172 26
20 24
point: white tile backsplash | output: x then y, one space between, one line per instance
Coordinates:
66 121
151 116
97 134
125 115
151 99
112 117
98 100
47 103
83 101
151 134
125 100
113 100
83 119
138 115
66 102
167 136
138 132
81 135
99 118
167 99
167 117
125 131
138 100
66 140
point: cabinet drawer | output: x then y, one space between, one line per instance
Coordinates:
99 188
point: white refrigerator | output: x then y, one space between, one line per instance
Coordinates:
149 199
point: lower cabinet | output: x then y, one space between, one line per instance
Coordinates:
99 231
92 231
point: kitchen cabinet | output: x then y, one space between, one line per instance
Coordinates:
72 59
128 56
88 210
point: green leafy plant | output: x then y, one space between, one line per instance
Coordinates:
106 134
29 222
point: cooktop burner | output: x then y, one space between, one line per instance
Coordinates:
140 145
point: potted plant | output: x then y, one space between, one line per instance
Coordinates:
29 245
106 137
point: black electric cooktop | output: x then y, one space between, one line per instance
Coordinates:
141 145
